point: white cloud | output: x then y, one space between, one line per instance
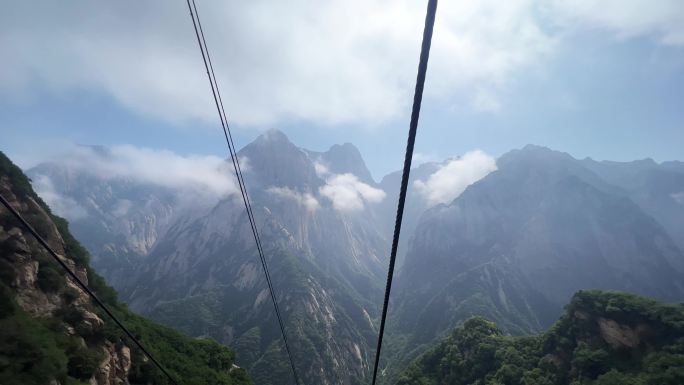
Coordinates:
321 169
663 19
60 204
421 157
447 183
328 62
204 176
306 200
347 193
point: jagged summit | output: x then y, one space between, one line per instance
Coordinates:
273 135
275 161
533 153
279 162
346 158
535 147
271 140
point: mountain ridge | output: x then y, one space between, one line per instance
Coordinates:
510 229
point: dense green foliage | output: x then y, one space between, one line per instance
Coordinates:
36 350
604 338
192 361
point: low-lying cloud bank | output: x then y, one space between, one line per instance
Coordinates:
208 174
447 183
192 177
345 191
348 193
60 204
306 200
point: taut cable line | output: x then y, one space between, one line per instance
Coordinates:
413 126
199 33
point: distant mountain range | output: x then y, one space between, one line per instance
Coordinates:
513 247
516 245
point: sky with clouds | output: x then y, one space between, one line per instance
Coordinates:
599 78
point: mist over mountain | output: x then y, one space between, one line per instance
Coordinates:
52 332
510 240
325 254
517 244
656 188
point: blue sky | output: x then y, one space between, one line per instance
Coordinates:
500 77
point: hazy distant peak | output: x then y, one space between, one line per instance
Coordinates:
346 158
349 147
535 154
272 136
275 161
535 147
537 150
346 152
645 163
270 141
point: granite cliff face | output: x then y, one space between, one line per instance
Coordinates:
513 247
325 265
326 255
42 291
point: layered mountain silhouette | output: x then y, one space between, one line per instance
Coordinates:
513 247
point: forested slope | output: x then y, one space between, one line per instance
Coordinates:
50 332
603 338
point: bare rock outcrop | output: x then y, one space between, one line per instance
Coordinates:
115 367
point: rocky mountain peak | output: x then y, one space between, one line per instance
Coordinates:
273 136
346 158
533 154
275 161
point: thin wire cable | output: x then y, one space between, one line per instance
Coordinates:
92 295
239 175
233 150
236 160
197 24
413 126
